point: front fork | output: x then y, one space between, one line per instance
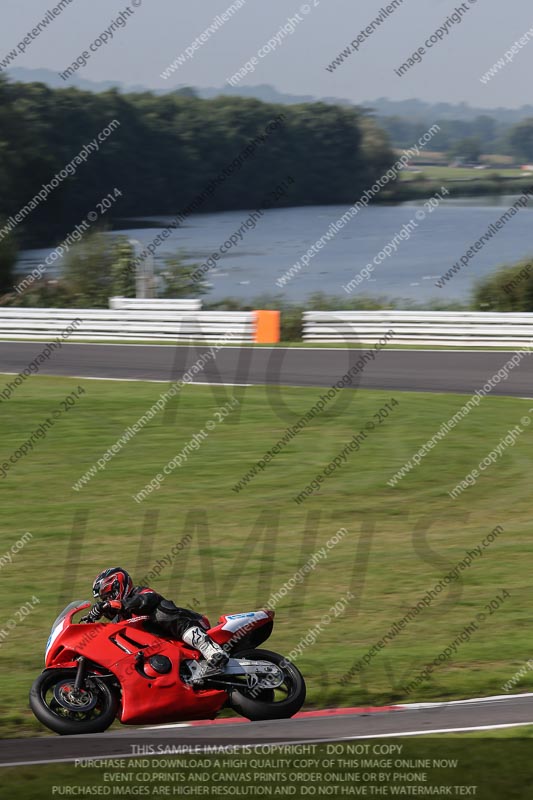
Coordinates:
81 674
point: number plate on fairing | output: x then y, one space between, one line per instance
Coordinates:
236 621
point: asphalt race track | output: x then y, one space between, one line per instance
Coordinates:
306 728
402 370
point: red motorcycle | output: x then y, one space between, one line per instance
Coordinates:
97 672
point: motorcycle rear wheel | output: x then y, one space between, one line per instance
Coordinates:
280 703
101 703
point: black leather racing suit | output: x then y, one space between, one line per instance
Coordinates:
164 616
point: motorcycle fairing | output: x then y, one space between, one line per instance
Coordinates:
115 647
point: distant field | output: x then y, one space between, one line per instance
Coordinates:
401 541
457 173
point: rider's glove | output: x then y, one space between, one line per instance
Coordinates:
95 613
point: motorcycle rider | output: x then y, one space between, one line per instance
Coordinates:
119 597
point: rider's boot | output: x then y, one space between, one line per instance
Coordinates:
215 657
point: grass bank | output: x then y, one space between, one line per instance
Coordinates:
246 545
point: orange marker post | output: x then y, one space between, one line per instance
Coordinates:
267 327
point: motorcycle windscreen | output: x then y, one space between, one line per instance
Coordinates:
59 623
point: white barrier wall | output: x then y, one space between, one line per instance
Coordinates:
421 327
122 324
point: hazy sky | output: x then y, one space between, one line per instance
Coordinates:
160 30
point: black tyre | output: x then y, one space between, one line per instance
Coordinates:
52 702
279 703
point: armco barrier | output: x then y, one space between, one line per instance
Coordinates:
122 324
461 329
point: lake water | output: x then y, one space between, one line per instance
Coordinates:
282 236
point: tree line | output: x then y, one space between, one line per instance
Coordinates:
167 150
483 135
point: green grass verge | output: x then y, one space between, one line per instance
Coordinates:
309 344
257 539
516 732
483 767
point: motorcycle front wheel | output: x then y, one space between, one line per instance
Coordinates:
55 703
279 703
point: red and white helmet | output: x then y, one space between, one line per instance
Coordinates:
112 584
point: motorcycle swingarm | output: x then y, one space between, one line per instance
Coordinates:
253 671
243 666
